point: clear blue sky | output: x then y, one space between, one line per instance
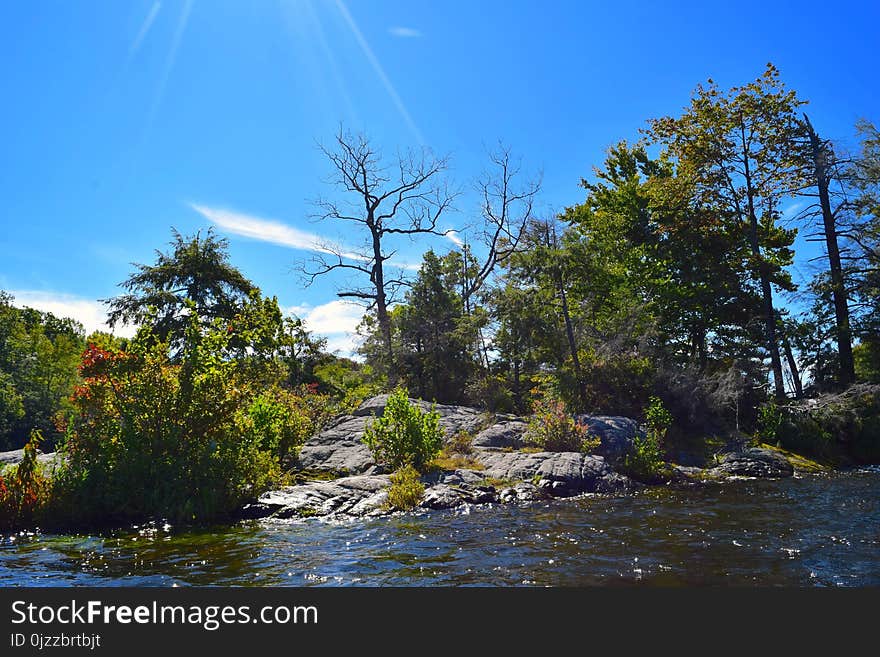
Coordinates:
119 117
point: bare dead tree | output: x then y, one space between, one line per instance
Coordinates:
405 198
506 208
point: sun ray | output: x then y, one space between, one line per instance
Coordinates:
145 27
377 67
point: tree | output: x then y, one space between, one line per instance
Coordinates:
827 169
382 205
506 207
39 354
196 270
435 336
738 147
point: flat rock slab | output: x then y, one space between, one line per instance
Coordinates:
563 473
354 496
753 462
452 418
49 461
507 434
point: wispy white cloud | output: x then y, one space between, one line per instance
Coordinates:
453 237
793 210
275 232
405 32
92 314
269 230
337 321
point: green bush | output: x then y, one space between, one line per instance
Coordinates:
658 418
552 429
770 420
644 461
156 438
404 434
24 490
406 490
281 420
491 393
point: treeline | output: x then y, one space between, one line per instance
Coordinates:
39 355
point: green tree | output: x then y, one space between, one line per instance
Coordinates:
435 338
197 270
39 354
738 147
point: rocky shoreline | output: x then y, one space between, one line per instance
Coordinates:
349 483
342 479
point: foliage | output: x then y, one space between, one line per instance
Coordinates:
281 420
406 490
770 419
404 434
154 438
38 357
196 271
347 382
644 461
552 429
838 427
867 357
657 418
24 491
458 453
491 393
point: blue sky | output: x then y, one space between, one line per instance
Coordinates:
122 119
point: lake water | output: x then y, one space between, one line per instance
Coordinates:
811 530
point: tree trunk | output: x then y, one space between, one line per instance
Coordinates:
382 305
766 290
792 365
572 345
838 291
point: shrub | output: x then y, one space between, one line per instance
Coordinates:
770 420
461 443
281 420
154 438
406 489
491 393
23 489
404 434
552 429
657 418
644 460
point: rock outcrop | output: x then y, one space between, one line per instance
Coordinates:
503 473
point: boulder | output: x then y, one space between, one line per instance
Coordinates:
615 432
507 434
340 447
521 492
452 418
49 461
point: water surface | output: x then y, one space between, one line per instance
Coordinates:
815 530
